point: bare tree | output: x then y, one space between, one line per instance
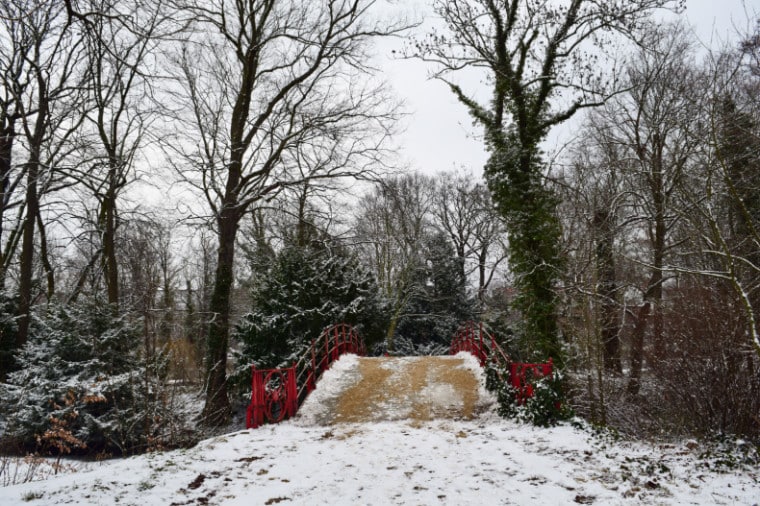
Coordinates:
654 125
597 214
393 225
122 42
720 202
269 82
464 211
534 53
45 91
12 59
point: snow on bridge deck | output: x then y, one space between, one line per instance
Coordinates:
357 390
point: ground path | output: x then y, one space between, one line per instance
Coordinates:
423 440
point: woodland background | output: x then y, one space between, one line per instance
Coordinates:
268 136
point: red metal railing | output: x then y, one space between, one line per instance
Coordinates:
473 338
276 394
520 375
273 396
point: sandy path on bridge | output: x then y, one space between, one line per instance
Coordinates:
398 388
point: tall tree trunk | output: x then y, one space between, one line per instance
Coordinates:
216 410
26 264
6 152
534 235
482 257
653 294
654 291
45 258
302 228
605 266
637 349
7 341
650 309
110 264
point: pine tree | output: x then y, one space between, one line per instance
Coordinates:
305 290
81 371
8 330
441 304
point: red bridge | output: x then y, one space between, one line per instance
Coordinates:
276 394
473 338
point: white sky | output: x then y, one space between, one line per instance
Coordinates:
439 134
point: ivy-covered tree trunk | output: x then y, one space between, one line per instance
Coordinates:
540 68
534 237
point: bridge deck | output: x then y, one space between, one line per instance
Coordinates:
398 388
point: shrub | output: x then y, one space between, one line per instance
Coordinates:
705 378
545 408
304 291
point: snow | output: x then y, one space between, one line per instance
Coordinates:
473 364
342 374
482 461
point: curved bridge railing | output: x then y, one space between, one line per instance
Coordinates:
276 394
475 339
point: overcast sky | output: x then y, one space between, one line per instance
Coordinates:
439 134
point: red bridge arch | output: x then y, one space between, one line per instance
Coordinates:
276 394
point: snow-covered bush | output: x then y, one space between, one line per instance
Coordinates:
405 347
545 407
83 382
438 303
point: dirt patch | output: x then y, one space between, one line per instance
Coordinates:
197 482
465 383
413 388
357 403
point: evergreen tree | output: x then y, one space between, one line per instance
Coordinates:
82 377
305 290
441 304
8 330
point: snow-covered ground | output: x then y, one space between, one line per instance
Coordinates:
481 461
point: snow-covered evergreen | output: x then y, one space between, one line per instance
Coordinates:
305 290
438 304
83 383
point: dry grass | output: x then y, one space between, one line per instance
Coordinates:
185 363
464 381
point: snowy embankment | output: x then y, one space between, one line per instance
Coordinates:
481 461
